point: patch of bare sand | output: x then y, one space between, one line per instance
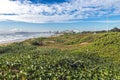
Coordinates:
5 44
84 43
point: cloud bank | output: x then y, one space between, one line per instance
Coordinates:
26 11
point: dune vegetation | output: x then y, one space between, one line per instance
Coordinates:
78 56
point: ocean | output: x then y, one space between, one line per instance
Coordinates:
21 36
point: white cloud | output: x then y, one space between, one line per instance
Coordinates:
40 13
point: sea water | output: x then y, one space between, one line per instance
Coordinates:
21 36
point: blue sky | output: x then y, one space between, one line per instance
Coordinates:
45 15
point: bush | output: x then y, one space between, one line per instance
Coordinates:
38 43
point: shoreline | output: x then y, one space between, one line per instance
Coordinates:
21 40
10 42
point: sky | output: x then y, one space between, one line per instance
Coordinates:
59 15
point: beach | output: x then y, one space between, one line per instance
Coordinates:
9 38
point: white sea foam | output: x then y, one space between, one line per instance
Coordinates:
14 37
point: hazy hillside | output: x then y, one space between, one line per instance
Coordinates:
84 56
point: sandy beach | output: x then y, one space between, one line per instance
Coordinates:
10 42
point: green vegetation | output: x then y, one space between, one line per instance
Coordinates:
85 56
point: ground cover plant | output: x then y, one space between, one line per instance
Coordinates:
78 56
